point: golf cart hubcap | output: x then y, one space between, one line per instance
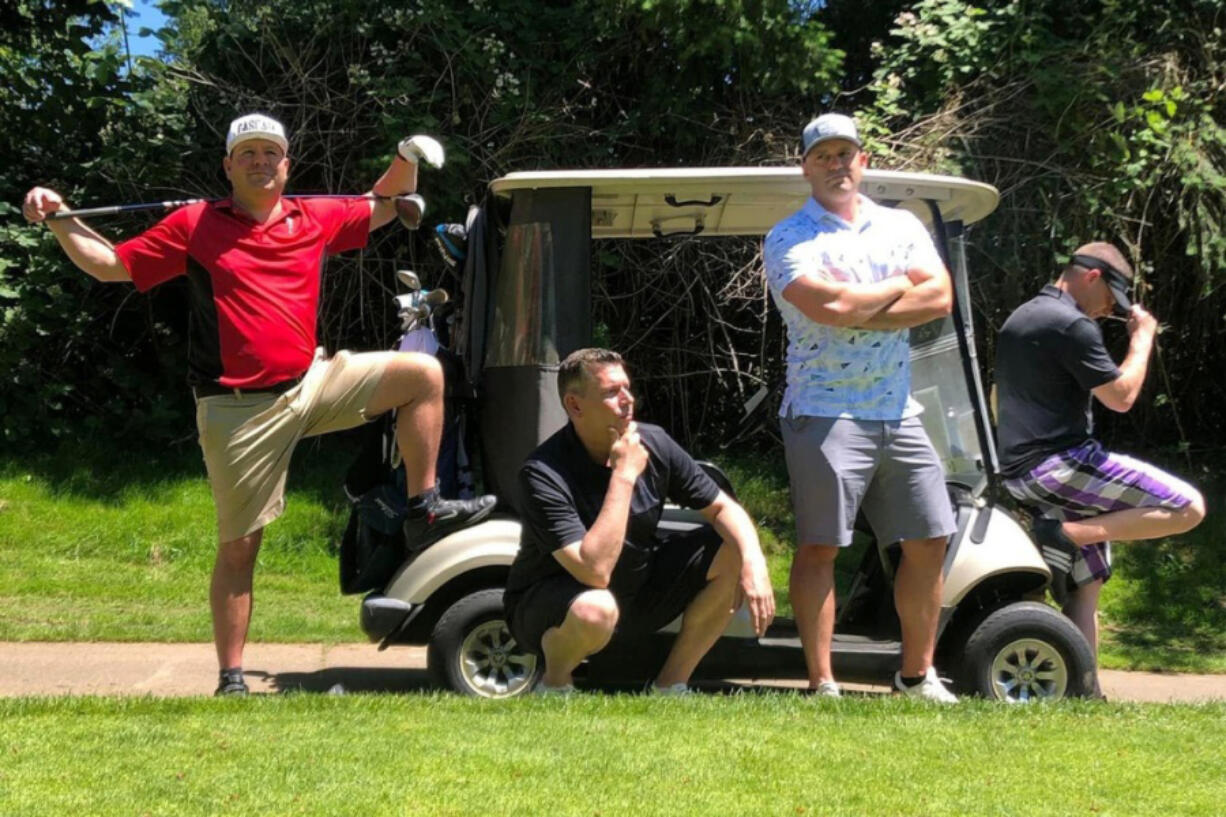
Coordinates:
492 664
1029 669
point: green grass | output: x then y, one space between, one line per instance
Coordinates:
605 755
103 545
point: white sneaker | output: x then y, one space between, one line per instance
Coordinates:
826 689
553 692
929 689
676 690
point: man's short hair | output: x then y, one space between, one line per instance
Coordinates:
578 366
1103 251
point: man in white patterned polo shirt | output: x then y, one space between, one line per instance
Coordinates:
850 279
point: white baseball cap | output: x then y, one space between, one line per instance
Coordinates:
829 126
256 126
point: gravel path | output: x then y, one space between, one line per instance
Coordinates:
167 670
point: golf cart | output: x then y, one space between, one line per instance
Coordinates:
525 300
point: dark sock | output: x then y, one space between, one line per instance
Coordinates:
232 674
911 681
420 504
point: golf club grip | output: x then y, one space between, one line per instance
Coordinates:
89 212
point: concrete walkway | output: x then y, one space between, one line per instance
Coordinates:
167 670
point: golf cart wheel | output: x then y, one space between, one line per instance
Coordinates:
473 652
1027 652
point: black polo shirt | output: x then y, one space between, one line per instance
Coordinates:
562 492
1049 356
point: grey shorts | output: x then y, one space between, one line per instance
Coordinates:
888 469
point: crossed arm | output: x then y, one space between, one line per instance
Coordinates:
898 302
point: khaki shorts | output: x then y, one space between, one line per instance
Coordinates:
248 440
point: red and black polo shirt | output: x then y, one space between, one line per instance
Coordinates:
254 287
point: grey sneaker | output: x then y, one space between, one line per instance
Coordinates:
827 689
929 689
553 692
676 690
443 517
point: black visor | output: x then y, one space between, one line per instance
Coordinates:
1117 282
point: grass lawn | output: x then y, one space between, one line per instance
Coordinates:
118 546
605 755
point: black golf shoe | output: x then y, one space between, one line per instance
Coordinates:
1058 552
443 517
230 684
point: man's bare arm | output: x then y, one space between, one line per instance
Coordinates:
836 303
733 524
399 178
931 298
92 253
591 560
1120 394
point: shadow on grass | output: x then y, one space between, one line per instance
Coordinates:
337 680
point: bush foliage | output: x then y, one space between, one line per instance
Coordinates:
1095 118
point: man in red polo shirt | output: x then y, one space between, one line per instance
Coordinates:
253 262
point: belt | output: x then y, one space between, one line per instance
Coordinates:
217 390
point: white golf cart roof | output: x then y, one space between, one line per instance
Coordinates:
737 200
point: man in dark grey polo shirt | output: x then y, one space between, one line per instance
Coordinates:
1050 360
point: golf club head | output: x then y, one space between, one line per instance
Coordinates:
410 209
409 279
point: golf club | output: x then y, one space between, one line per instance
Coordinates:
410 207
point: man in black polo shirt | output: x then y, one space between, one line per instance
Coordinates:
589 560
1050 359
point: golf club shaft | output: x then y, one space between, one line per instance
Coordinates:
91 212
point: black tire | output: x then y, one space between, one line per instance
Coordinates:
471 651
1027 651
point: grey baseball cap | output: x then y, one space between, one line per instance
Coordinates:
829 126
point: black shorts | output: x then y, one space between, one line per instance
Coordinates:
678 573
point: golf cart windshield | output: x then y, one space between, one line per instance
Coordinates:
939 384
539 308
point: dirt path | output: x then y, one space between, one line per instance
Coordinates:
166 670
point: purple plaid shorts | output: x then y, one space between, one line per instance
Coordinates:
1089 481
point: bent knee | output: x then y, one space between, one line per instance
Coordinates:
596 610
415 374
241 552
1194 512
727 563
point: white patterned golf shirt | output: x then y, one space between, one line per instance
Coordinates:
861 374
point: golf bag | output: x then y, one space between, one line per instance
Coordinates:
373 548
